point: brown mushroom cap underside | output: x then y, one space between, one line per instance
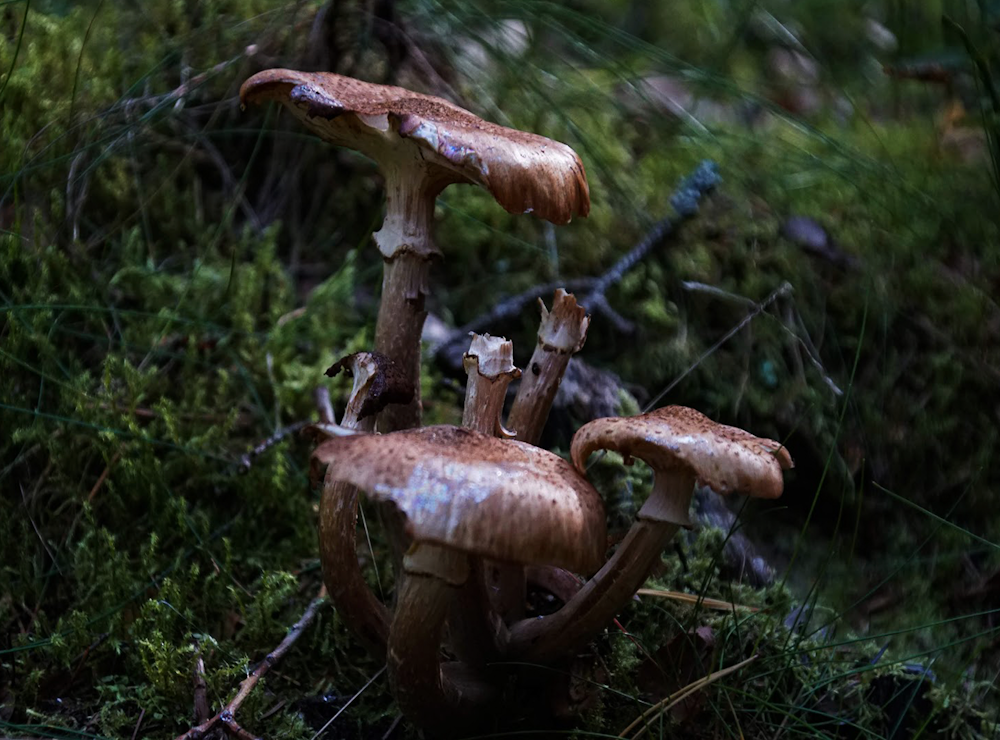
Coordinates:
503 500
525 172
724 458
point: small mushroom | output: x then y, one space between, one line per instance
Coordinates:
464 493
422 144
377 383
684 448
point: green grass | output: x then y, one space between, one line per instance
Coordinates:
158 245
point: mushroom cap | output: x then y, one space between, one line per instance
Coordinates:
526 173
458 488
724 458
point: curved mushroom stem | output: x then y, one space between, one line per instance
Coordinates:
358 607
376 382
596 604
433 696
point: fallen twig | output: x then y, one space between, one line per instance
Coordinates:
726 606
227 715
103 476
201 710
685 201
247 460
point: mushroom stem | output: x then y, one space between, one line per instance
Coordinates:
596 604
562 332
376 382
433 696
489 364
406 245
357 606
477 634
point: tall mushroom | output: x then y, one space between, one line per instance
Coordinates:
423 144
463 493
377 383
684 448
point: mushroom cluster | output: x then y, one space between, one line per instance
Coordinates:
477 511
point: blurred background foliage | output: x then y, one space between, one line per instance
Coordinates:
177 274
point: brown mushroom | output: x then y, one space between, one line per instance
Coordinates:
464 493
684 448
377 383
422 144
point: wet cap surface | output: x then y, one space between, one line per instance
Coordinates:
525 172
723 458
505 500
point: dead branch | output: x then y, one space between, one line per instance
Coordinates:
226 718
684 200
201 710
247 460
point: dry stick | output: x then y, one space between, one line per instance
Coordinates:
227 715
201 711
659 708
138 723
726 606
103 477
247 460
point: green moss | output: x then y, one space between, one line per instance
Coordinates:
175 276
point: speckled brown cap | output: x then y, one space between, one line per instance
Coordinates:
724 458
526 173
503 500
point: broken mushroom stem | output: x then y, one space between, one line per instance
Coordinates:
476 630
489 364
377 383
561 335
